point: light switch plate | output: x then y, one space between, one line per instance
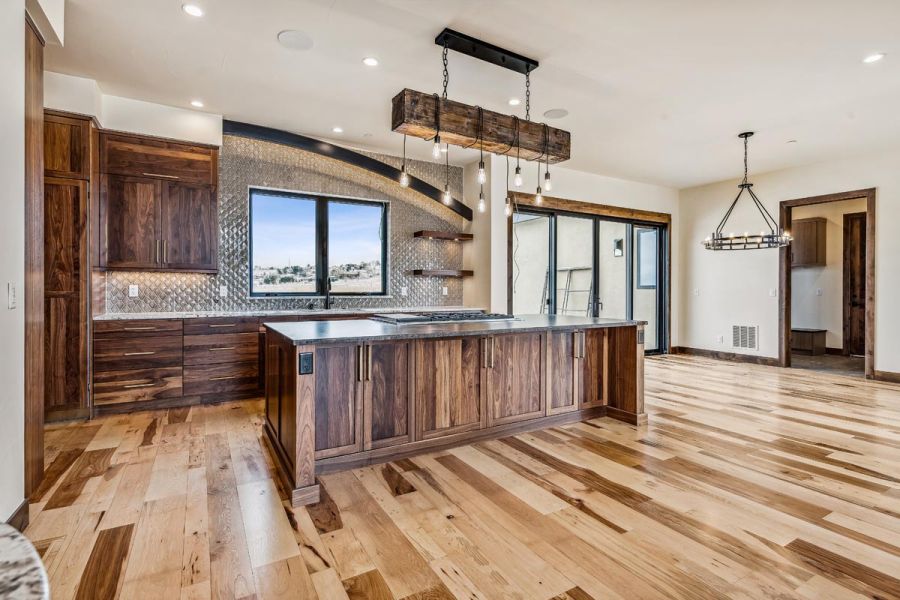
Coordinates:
818 291
444 291
223 291
133 291
11 300
696 291
773 292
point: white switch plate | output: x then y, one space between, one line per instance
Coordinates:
132 291
444 290
773 292
696 291
404 291
721 339
818 291
11 295
223 291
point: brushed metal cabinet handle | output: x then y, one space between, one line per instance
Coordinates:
165 245
138 353
138 385
157 251
163 175
223 377
222 349
223 325
484 360
369 363
151 328
360 365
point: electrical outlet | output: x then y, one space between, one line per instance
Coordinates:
223 291
444 291
11 301
133 291
696 291
721 339
404 291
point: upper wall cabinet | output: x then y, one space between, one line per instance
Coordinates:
67 143
158 204
808 247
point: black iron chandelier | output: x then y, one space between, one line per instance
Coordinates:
774 238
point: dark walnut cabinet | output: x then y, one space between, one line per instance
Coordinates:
158 206
808 247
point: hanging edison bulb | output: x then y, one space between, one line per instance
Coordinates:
548 183
404 177
517 179
508 208
446 195
539 197
481 205
482 176
436 148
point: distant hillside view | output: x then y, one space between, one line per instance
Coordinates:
345 278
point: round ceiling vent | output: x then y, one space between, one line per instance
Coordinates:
295 39
556 113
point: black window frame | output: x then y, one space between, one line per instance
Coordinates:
639 231
322 202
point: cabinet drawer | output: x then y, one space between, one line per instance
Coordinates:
130 329
120 354
221 325
229 377
148 157
116 387
224 348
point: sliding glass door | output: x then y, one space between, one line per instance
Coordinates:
595 266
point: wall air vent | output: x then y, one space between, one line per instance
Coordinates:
745 336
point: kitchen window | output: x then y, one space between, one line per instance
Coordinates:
295 239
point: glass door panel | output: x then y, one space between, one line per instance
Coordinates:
531 262
612 270
645 292
574 265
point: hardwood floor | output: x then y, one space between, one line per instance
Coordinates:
748 482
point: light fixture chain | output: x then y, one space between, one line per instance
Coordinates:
746 170
528 95
446 71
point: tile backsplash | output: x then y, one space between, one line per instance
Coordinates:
245 163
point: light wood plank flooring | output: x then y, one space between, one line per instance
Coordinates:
748 482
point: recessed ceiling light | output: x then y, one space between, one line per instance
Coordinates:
514 102
873 58
196 103
337 129
192 9
295 39
556 113
370 61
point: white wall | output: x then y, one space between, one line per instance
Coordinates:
734 287
817 293
49 17
12 255
82 95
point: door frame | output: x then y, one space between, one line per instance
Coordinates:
784 273
631 217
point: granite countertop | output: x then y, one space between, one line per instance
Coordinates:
276 313
313 332
22 573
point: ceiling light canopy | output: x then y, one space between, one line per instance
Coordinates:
192 9
773 238
294 39
370 61
197 103
874 58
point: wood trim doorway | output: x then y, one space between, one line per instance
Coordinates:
784 273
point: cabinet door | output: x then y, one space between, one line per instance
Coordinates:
66 146
338 371
130 212
66 296
515 376
448 386
563 367
388 391
189 227
593 368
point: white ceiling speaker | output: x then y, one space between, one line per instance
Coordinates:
556 113
294 39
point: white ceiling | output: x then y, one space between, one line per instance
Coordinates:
657 90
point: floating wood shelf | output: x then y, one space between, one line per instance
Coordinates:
443 235
442 273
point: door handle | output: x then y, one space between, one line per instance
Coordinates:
369 362
138 353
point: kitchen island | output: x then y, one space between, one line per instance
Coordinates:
342 394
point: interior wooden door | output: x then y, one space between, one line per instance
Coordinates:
338 371
563 370
448 386
130 207
189 227
515 375
388 393
593 379
65 297
855 284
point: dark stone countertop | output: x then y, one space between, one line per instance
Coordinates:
322 332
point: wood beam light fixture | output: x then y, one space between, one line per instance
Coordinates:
445 122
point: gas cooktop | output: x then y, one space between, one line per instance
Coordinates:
439 317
